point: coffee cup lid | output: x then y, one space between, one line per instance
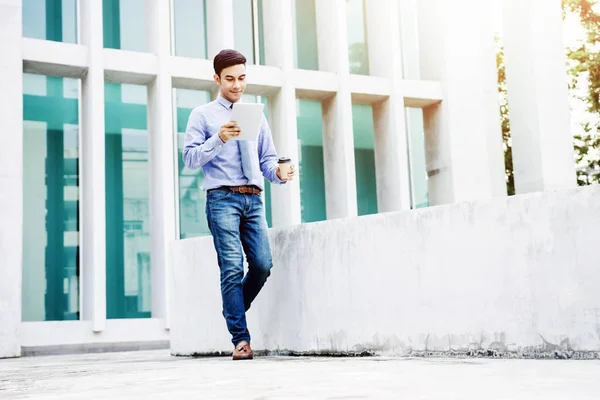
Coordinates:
284 159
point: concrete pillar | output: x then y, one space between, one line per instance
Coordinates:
542 143
93 189
162 138
414 116
219 17
278 19
391 152
463 139
11 177
338 138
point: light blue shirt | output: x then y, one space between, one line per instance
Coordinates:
221 162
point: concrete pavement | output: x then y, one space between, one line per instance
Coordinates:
157 375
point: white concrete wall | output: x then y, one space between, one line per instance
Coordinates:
515 275
11 177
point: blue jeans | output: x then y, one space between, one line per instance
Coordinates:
237 221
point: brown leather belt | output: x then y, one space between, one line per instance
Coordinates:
242 189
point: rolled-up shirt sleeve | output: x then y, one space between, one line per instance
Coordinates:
267 154
198 150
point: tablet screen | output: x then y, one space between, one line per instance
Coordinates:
248 117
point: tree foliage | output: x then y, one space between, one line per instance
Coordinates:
584 69
504 114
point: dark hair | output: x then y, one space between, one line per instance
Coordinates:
227 58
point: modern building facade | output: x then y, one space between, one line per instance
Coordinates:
385 106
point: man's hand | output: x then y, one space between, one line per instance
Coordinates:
290 175
229 130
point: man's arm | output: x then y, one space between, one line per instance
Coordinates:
197 150
267 153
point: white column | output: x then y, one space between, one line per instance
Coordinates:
11 178
338 139
542 142
162 142
391 152
219 26
93 185
414 116
219 33
278 20
462 134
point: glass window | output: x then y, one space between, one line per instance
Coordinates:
312 176
261 32
243 29
190 28
127 202
192 199
50 198
247 28
125 25
357 37
364 158
50 20
409 37
306 54
416 150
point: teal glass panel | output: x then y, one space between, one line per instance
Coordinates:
243 29
192 199
190 28
50 198
418 167
54 20
125 25
306 55
248 98
127 202
261 33
312 176
364 158
357 37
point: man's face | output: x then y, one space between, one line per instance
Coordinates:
232 82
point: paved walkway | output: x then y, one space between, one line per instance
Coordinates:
157 375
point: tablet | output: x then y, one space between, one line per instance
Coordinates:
248 117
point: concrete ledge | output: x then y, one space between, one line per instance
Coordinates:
41 334
93 348
507 277
54 58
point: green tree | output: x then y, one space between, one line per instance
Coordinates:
504 114
584 68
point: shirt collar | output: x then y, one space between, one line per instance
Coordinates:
226 103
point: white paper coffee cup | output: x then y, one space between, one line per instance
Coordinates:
285 165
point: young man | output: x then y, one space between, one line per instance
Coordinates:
233 178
